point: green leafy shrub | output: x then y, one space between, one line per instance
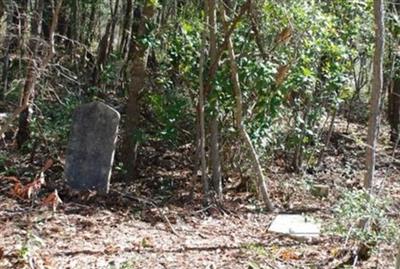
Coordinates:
363 217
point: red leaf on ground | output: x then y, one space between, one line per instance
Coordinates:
47 164
52 200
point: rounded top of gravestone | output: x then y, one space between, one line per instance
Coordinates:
100 106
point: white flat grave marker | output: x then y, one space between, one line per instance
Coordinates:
295 225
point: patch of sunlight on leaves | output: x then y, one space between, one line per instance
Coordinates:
127 264
346 92
153 3
254 265
187 27
30 247
257 248
357 206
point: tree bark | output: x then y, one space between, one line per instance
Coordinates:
101 54
393 79
19 24
214 129
200 110
2 8
394 107
23 133
377 84
92 24
138 63
7 43
214 63
75 20
261 181
113 24
125 27
34 73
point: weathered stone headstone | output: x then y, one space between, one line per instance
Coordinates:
90 151
295 225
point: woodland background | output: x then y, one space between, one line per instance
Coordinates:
229 109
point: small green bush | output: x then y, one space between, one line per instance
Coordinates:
364 217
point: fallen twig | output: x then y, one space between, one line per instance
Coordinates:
154 205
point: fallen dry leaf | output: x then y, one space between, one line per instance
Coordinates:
34 187
285 35
147 242
30 190
17 190
52 200
281 74
288 254
111 249
47 164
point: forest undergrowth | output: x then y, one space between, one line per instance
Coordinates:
157 223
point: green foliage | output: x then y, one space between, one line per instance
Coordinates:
168 113
358 207
176 74
15 89
257 248
322 54
128 264
3 160
154 3
52 125
110 72
29 248
5 168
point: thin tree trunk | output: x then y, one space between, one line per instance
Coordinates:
19 24
214 62
377 84
34 73
101 54
2 8
393 79
261 182
23 133
214 156
328 137
394 108
214 130
138 57
202 140
75 24
125 27
212 70
113 24
6 59
92 24
257 35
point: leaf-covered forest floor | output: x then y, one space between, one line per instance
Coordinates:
126 230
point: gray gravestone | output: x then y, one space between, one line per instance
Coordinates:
91 147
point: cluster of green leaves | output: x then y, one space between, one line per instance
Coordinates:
175 76
364 217
327 39
52 126
168 113
29 248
